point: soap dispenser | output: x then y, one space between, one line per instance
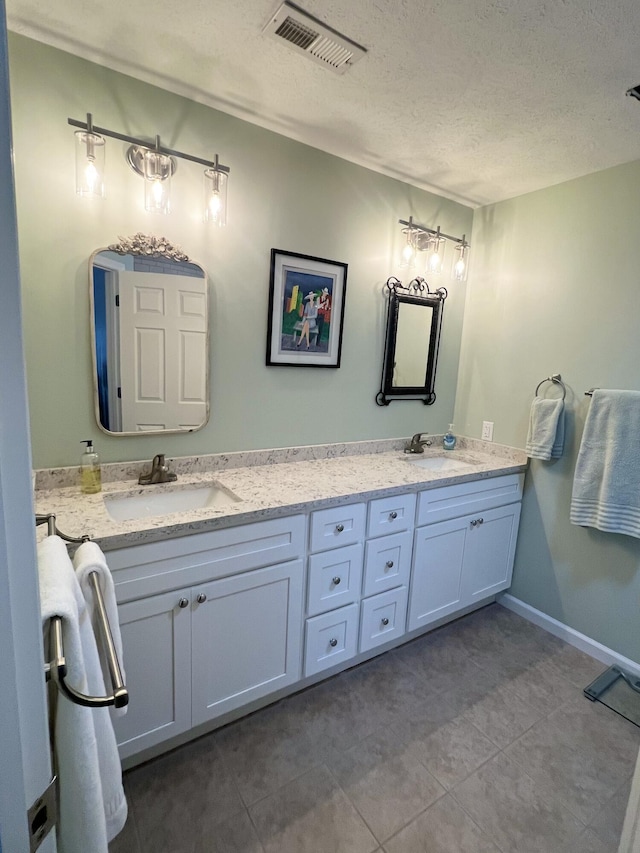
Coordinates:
90 476
449 440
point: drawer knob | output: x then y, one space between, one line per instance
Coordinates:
336 581
333 642
385 621
473 522
393 515
183 602
339 527
480 520
201 598
389 564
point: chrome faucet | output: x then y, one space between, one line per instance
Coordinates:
159 473
418 443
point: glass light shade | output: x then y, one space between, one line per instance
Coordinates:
460 263
157 182
215 196
435 256
408 258
90 149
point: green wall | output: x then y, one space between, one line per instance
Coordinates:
554 288
281 194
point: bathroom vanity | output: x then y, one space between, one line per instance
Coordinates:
314 566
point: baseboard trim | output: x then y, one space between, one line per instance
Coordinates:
569 635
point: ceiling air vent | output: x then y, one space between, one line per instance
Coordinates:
317 41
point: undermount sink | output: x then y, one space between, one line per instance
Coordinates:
439 463
167 499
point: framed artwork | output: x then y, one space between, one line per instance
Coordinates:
306 310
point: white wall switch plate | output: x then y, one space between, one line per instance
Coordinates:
487 430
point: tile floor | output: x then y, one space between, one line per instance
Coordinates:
475 738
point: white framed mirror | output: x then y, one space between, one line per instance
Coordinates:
149 338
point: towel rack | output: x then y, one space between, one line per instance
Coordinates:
56 669
556 378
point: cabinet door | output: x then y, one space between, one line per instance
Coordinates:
490 551
436 578
246 636
156 638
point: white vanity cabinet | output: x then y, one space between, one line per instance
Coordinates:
464 552
214 622
195 652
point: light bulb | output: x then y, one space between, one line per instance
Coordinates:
158 168
461 261
91 176
89 164
215 205
408 253
215 196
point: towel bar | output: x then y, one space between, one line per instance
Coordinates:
56 669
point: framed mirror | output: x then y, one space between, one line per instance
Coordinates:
412 340
149 338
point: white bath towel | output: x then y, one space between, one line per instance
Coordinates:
93 808
545 439
90 558
606 484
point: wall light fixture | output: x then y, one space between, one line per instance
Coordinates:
431 241
155 163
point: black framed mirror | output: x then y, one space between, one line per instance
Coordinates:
412 340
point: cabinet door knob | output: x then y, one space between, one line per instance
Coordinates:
473 522
333 642
393 515
480 520
339 527
389 564
201 598
184 602
336 581
385 621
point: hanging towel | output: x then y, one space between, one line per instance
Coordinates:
89 558
93 808
545 439
606 483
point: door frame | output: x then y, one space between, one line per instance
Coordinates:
24 738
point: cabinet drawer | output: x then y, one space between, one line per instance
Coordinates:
341 525
391 515
331 639
383 618
462 498
387 562
335 578
141 570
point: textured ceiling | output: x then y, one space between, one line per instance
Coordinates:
478 100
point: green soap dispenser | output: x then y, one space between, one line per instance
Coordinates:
90 476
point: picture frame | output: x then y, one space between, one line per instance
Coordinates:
306 310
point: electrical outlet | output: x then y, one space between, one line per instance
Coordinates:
487 430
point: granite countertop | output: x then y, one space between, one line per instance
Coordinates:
269 484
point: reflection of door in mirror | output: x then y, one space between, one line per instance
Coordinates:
150 337
412 345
